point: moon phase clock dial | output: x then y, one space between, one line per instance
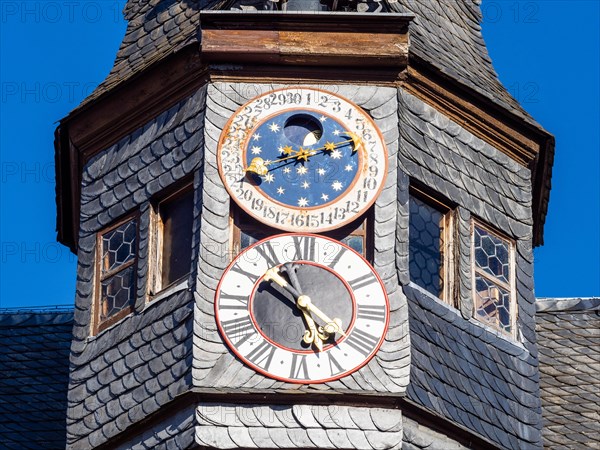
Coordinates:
301 159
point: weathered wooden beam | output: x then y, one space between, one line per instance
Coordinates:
326 39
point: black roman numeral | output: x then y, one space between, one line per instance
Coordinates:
267 251
361 341
362 281
251 276
298 366
241 301
304 247
371 312
262 355
333 362
239 329
336 259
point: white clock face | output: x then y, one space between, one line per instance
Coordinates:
302 308
301 159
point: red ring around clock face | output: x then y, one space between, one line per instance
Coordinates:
368 309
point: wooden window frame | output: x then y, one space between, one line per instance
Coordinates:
155 256
510 286
449 240
97 324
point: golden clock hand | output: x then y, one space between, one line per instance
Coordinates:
304 303
312 336
273 275
260 167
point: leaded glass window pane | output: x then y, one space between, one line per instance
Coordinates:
426 232
119 246
491 254
117 271
493 279
492 304
117 293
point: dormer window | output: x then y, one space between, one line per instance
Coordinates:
493 278
430 244
116 271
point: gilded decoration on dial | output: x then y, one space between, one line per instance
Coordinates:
302 159
302 308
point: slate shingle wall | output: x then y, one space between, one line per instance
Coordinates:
418 437
569 342
34 373
215 366
459 369
130 370
222 425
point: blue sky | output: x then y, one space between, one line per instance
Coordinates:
53 53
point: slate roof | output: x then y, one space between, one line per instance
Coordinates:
445 33
34 374
568 333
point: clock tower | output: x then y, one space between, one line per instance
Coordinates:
303 225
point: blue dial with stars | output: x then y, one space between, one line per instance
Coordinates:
310 157
302 159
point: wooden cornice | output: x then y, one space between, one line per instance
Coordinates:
100 124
